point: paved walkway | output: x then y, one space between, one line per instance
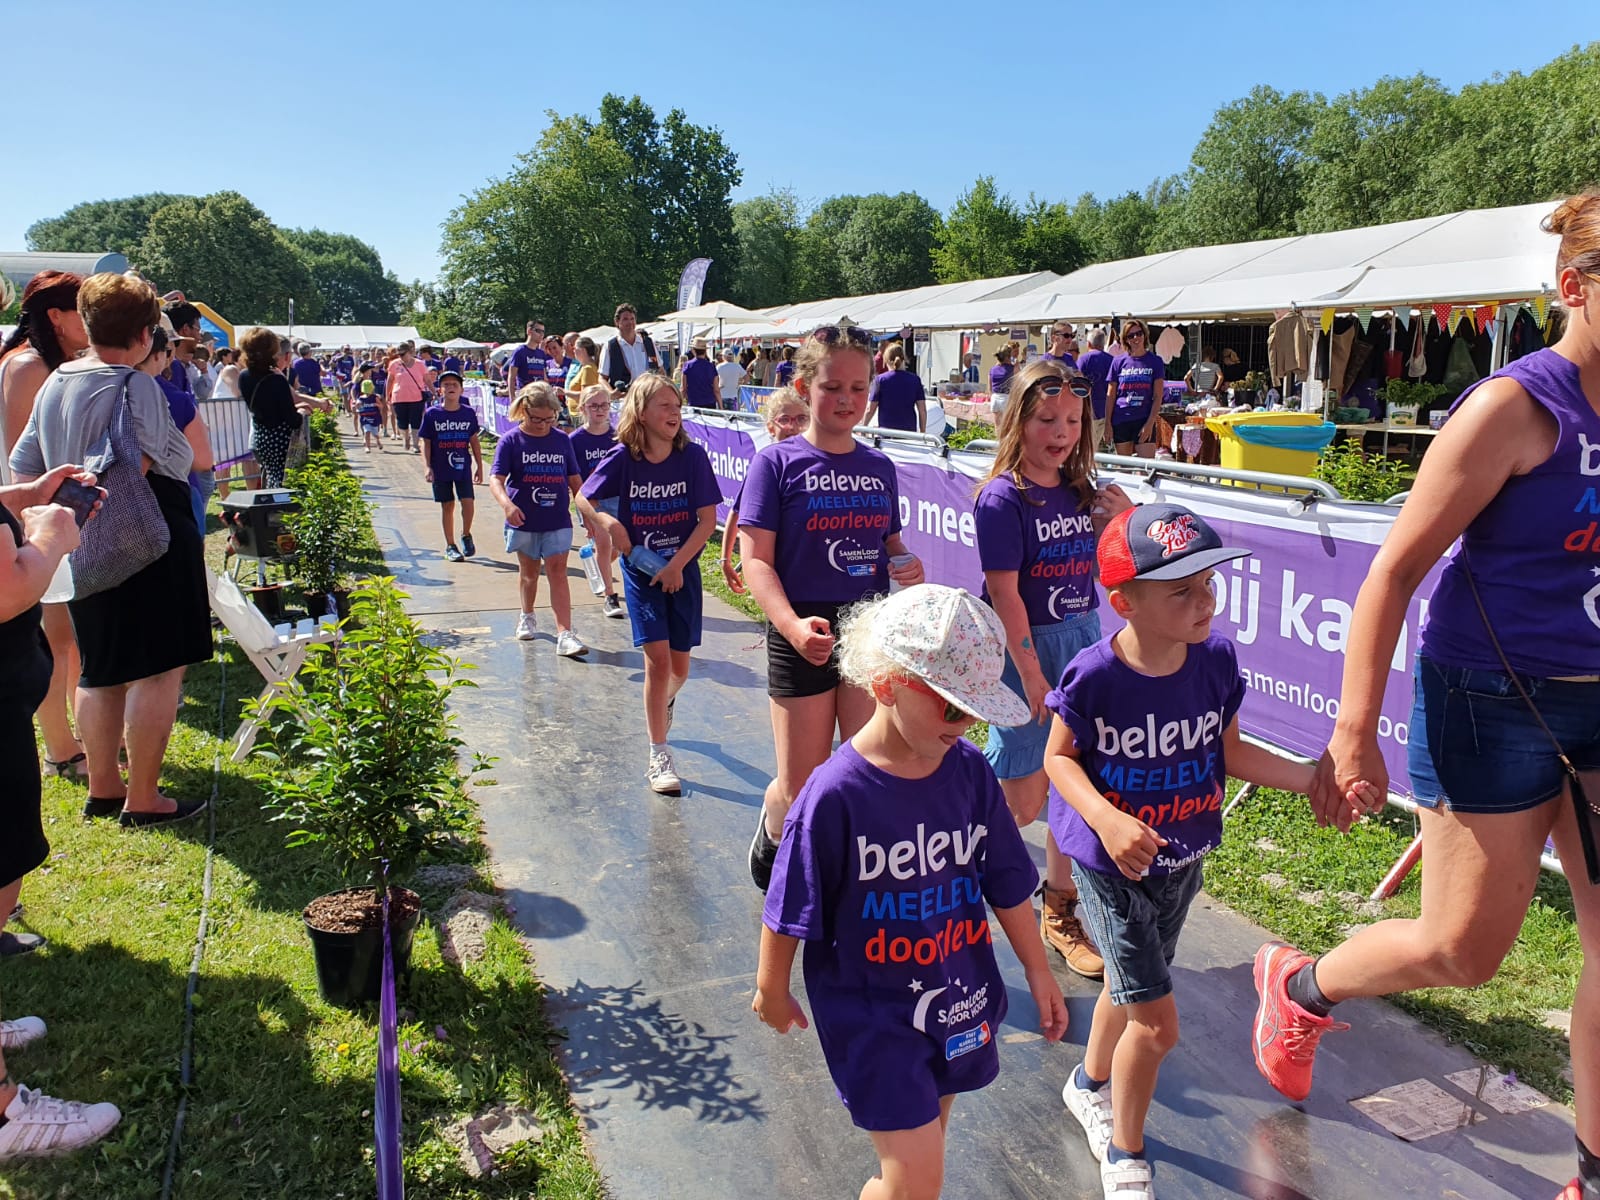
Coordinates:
645 927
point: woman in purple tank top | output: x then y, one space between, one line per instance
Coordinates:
1515 476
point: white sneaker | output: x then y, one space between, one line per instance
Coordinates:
1129 1179
1093 1110
40 1126
24 1031
663 779
527 627
570 645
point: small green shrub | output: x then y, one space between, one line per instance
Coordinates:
1361 476
973 431
331 525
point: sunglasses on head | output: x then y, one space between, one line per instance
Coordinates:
830 335
953 714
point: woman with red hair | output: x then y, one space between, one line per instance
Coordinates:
49 332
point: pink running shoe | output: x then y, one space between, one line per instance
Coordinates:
1286 1035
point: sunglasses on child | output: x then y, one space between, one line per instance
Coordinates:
830 335
1053 386
953 715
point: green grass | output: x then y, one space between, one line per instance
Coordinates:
1502 1021
281 1099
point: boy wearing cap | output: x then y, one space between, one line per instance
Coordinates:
1145 736
447 436
368 415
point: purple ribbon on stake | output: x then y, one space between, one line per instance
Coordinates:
386 1097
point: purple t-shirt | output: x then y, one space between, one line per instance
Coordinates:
452 363
1136 380
1096 366
885 880
528 365
1152 746
537 471
344 366
700 386
1050 546
783 374
831 513
555 372
591 448
897 394
1000 378
660 502
450 435
307 375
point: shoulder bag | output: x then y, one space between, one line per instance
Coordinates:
130 531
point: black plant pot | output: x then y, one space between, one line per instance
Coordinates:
350 965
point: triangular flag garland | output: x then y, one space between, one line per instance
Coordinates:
1462 316
1541 310
1364 315
1403 315
1441 314
1327 320
1482 315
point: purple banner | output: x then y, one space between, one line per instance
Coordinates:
1287 607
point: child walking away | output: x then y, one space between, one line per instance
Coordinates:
448 438
785 415
1145 737
533 476
370 416
1036 517
908 1002
668 511
592 443
820 530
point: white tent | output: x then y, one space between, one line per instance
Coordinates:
462 344
357 337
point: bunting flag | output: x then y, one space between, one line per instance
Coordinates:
1327 320
1541 310
1403 315
1460 317
1441 314
1364 315
1482 315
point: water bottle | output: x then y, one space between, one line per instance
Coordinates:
647 562
591 568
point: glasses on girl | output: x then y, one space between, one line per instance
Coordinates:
829 335
953 715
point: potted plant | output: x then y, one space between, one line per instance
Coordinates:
364 763
328 527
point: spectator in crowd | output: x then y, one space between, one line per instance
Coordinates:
582 374
527 362
131 680
453 362
268 396
410 386
783 373
1233 371
306 373
1205 377
700 388
1004 368
1095 366
971 372
37 535
730 376
1061 344
184 335
629 354
760 368
204 380
49 332
897 398
344 367
186 416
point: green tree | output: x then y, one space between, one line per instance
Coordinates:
981 236
1247 175
682 179
1122 227
887 244
349 274
1051 239
1366 148
768 229
222 249
819 273
100 225
556 238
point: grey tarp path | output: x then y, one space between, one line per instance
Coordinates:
645 925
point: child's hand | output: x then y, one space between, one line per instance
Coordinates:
908 575
1364 799
428 475
514 516
1129 842
783 1012
1052 1008
669 579
731 577
813 638
477 476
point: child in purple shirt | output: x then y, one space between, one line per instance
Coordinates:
887 860
1145 736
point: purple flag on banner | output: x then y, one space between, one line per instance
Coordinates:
386 1089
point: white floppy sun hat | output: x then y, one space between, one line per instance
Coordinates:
954 643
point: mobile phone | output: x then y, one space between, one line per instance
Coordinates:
79 497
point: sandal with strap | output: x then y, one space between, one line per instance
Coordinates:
67 768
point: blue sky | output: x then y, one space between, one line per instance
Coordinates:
374 119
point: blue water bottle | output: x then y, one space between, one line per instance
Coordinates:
647 562
591 568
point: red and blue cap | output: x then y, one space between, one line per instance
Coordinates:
1159 541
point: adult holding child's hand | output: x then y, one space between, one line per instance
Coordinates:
1507 694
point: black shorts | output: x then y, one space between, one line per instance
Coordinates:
790 675
447 491
1127 431
408 414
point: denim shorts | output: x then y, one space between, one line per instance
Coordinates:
1135 924
1018 752
1474 747
538 544
661 616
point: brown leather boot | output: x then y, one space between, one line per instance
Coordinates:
1065 934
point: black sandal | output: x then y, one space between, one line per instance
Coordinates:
67 768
